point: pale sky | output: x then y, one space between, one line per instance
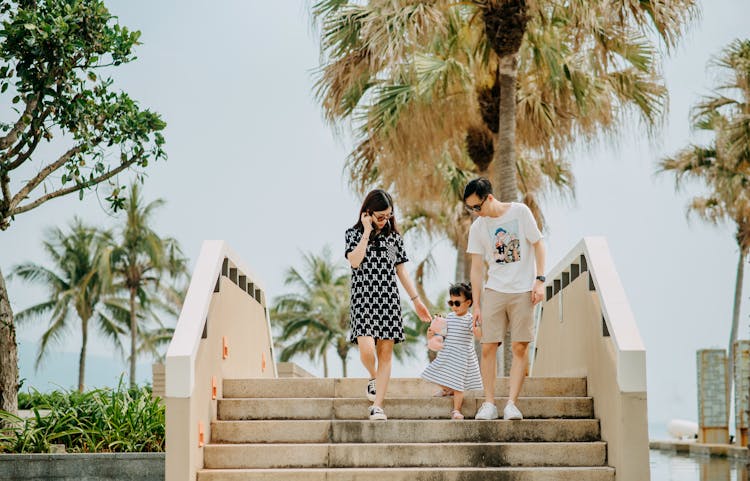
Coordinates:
251 162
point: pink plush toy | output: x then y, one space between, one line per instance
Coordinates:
439 329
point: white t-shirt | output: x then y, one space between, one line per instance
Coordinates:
506 243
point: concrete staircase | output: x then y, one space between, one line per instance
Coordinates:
318 429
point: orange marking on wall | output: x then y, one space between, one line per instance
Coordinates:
201 441
213 387
224 347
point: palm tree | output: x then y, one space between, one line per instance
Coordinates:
316 316
420 79
137 259
724 164
75 290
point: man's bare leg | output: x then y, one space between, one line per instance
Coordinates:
517 369
489 370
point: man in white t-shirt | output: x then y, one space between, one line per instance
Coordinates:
506 236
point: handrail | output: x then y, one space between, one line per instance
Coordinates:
592 254
587 328
223 332
215 257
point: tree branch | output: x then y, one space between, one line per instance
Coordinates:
37 125
10 138
43 174
61 192
4 186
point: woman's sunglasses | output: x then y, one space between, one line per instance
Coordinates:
382 217
455 303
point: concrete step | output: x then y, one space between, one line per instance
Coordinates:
396 408
405 431
398 387
411 474
243 456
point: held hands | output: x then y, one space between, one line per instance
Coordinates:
476 316
477 322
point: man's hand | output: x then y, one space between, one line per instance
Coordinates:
537 292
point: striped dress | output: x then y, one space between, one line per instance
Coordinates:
456 365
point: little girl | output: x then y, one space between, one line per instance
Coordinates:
455 369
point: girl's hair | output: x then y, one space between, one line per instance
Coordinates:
376 201
460 289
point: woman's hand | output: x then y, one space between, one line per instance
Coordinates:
366 222
421 310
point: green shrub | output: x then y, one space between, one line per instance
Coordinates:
102 420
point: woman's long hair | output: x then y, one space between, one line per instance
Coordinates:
376 201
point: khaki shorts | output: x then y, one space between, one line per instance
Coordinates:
499 310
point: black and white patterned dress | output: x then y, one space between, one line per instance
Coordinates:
375 308
456 365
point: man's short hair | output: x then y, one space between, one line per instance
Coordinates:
480 186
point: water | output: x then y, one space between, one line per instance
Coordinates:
680 467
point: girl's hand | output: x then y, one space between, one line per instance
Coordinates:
366 222
422 311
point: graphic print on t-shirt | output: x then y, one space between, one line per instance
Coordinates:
507 247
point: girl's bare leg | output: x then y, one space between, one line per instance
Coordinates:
458 399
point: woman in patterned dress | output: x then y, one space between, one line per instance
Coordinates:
375 250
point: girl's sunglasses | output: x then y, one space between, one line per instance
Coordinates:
455 303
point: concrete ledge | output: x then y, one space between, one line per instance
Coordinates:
701 449
291 369
83 467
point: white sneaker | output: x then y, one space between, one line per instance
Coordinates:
511 412
371 390
377 414
487 411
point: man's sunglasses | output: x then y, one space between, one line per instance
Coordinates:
476 208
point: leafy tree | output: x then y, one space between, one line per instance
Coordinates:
52 53
75 291
723 165
137 260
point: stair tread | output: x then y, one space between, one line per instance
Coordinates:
422 398
418 469
458 443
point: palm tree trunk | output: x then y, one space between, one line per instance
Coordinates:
82 358
504 160
133 336
8 354
735 316
463 260
344 370
325 364
503 163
